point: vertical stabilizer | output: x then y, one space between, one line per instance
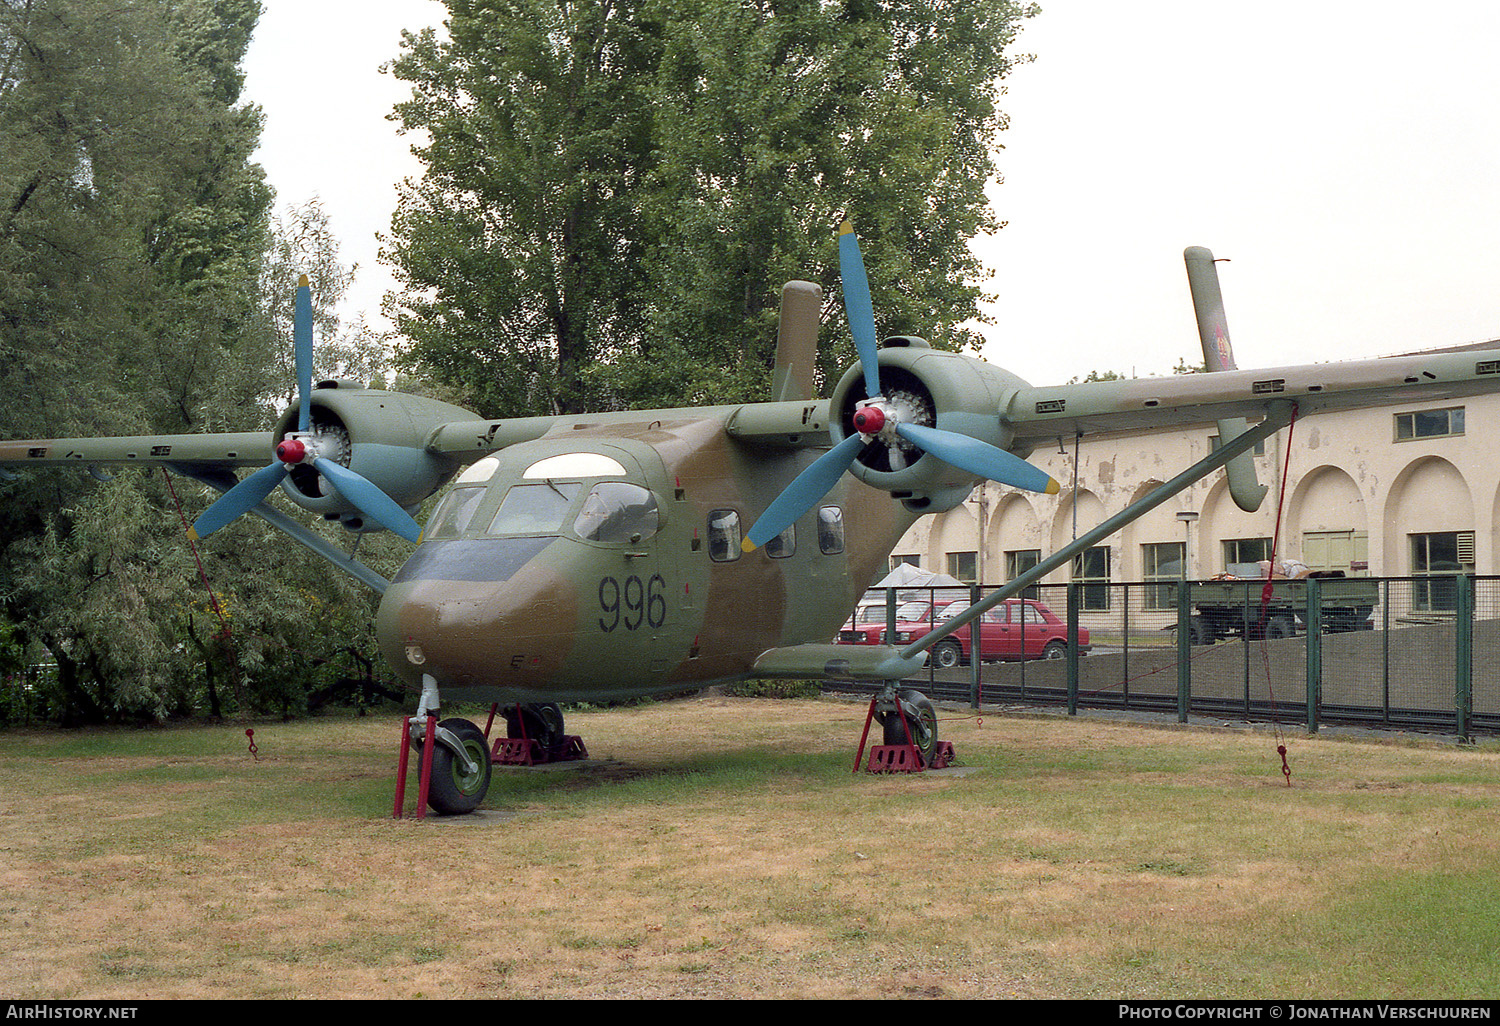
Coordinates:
794 376
1218 355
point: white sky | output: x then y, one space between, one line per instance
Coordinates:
1344 156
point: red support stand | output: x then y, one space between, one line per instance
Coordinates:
524 751
899 758
425 777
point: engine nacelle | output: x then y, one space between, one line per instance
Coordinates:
931 388
379 435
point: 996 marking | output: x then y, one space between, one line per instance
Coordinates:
633 604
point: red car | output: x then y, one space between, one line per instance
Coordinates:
1002 635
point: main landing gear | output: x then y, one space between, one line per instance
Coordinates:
457 758
909 732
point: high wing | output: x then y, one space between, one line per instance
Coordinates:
1041 415
240 449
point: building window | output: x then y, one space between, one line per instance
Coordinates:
1017 562
961 565
1439 556
1429 424
1162 561
909 560
1245 550
1091 569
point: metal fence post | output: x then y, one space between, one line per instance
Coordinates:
1314 613
1073 604
976 653
1184 651
1463 655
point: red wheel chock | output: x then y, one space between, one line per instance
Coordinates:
525 751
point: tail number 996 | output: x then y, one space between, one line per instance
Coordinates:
632 603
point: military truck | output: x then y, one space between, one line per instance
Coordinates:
1232 606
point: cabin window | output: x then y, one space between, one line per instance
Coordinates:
830 530
723 535
534 508
453 513
616 512
784 544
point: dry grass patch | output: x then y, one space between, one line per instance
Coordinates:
722 848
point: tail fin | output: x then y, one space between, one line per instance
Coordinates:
1218 355
797 343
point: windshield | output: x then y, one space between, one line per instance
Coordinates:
534 508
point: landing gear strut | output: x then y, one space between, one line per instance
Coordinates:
456 756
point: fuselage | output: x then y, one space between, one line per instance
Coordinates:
603 562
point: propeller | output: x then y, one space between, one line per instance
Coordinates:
303 446
879 419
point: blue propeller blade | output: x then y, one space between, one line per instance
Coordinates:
803 493
372 502
858 307
240 499
302 348
979 458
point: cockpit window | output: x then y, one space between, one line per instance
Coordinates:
534 508
453 513
575 464
617 511
830 530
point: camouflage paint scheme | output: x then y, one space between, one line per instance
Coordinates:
560 618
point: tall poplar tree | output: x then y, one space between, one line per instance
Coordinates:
617 189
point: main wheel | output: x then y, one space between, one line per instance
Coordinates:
925 728
454 791
542 723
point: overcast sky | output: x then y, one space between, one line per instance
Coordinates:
1344 156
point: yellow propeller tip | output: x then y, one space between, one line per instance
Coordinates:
303 282
747 546
193 534
846 228
1052 486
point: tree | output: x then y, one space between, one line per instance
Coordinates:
617 190
132 228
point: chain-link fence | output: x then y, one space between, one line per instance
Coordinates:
1408 652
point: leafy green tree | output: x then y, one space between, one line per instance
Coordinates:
140 292
617 190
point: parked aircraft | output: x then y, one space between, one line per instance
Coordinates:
597 557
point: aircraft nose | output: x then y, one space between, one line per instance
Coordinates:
478 617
